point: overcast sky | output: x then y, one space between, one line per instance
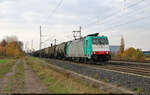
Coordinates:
113 18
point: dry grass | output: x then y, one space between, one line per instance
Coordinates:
147 58
60 82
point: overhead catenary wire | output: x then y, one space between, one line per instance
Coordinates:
48 17
59 4
53 11
112 14
130 14
96 18
139 11
50 39
129 22
118 12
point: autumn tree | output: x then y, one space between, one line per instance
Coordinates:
132 53
13 49
122 45
10 46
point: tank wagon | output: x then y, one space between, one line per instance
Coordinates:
60 50
89 48
36 53
46 52
51 51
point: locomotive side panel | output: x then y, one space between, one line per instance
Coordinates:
75 49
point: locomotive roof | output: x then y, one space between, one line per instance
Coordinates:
95 34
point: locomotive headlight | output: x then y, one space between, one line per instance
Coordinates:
94 52
107 52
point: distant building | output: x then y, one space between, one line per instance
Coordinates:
114 49
146 52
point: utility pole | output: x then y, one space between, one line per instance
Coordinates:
77 33
32 45
80 31
26 47
40 37
55 42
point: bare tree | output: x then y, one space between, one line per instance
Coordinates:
122 45
11 39
3 44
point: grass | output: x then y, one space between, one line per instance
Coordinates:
17 80
5 68
138 90
2 61
106 80
118 84
60 82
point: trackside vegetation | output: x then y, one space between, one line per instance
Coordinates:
2 61
130 54
59 82
5 66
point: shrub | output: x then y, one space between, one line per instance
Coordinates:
132 53
118 84
139 90
106 80
134 89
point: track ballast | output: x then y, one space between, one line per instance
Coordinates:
130 78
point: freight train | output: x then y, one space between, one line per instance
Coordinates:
91 48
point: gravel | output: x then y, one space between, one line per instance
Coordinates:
123 79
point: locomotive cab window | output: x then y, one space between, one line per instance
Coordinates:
100 41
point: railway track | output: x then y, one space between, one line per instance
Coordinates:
129 63
138 69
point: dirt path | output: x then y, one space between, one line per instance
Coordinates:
4 82
32 82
